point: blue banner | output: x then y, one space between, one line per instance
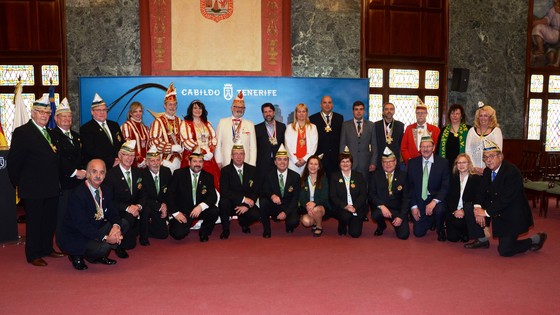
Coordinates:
217 93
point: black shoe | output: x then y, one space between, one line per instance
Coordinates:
477 244
543 236
103 260
121 253
289 231
78 262
245 229
441 237
365 219
266 235
203 238
378 232
145 242
224 235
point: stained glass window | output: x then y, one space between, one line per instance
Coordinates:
553 126
404 78
8 110
50 73
375 107
9 75
375 76
535 112
406 108
433 104
537 83
432 80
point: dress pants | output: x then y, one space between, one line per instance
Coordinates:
475 231
227 209
402 231
152 224
510 245
179 230
40 226
269 209
422 226
96 249
129 238
456 228
350 222
61 211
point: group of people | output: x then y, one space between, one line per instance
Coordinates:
110 186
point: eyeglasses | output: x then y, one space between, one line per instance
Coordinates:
43 112
489 156
238 107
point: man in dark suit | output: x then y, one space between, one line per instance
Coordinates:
101 138
155 180
502 201
238 192
125 182
389 196
91 226
192 196
279 199
389 134
270 134
71 167
329 125
358 135
428 179
33 168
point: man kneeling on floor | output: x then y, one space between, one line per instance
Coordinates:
91 226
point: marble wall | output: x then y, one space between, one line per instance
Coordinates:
486 37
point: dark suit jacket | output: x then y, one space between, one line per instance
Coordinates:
469 194
79 225
358 191
321 195
438 182
70 153
381 142
271 186
505 201
328 141
399 201
148 194
265 150
232 189
363 148
96 144
33 164
116 183
179 193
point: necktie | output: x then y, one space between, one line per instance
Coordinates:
104 125
359 122
240 173
281 184
328 119
194 184
425 181
97 198
67 133
156 181
129 180
98 203
389 181
46 135
493 175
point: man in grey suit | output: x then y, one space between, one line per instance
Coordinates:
358 134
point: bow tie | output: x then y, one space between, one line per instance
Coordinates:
420 127
236 120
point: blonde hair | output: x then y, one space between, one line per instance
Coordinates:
298 107
491 115
470 166
133 107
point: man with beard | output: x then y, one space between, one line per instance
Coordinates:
388 134
270 134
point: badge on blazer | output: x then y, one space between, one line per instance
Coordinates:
53 147
290 189
139 186
203 191
352 185
340 180
165 189
250 183
399 187
305 188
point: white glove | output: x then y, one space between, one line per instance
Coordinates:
176 148
208 156
143 164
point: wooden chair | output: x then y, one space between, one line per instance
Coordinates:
533 182
553 178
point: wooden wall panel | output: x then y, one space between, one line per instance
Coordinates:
405 31
377 38
407 3
432 45
16 25
49 26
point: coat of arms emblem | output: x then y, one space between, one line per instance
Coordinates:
216 10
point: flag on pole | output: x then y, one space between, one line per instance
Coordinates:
21 116
3 142
52 123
